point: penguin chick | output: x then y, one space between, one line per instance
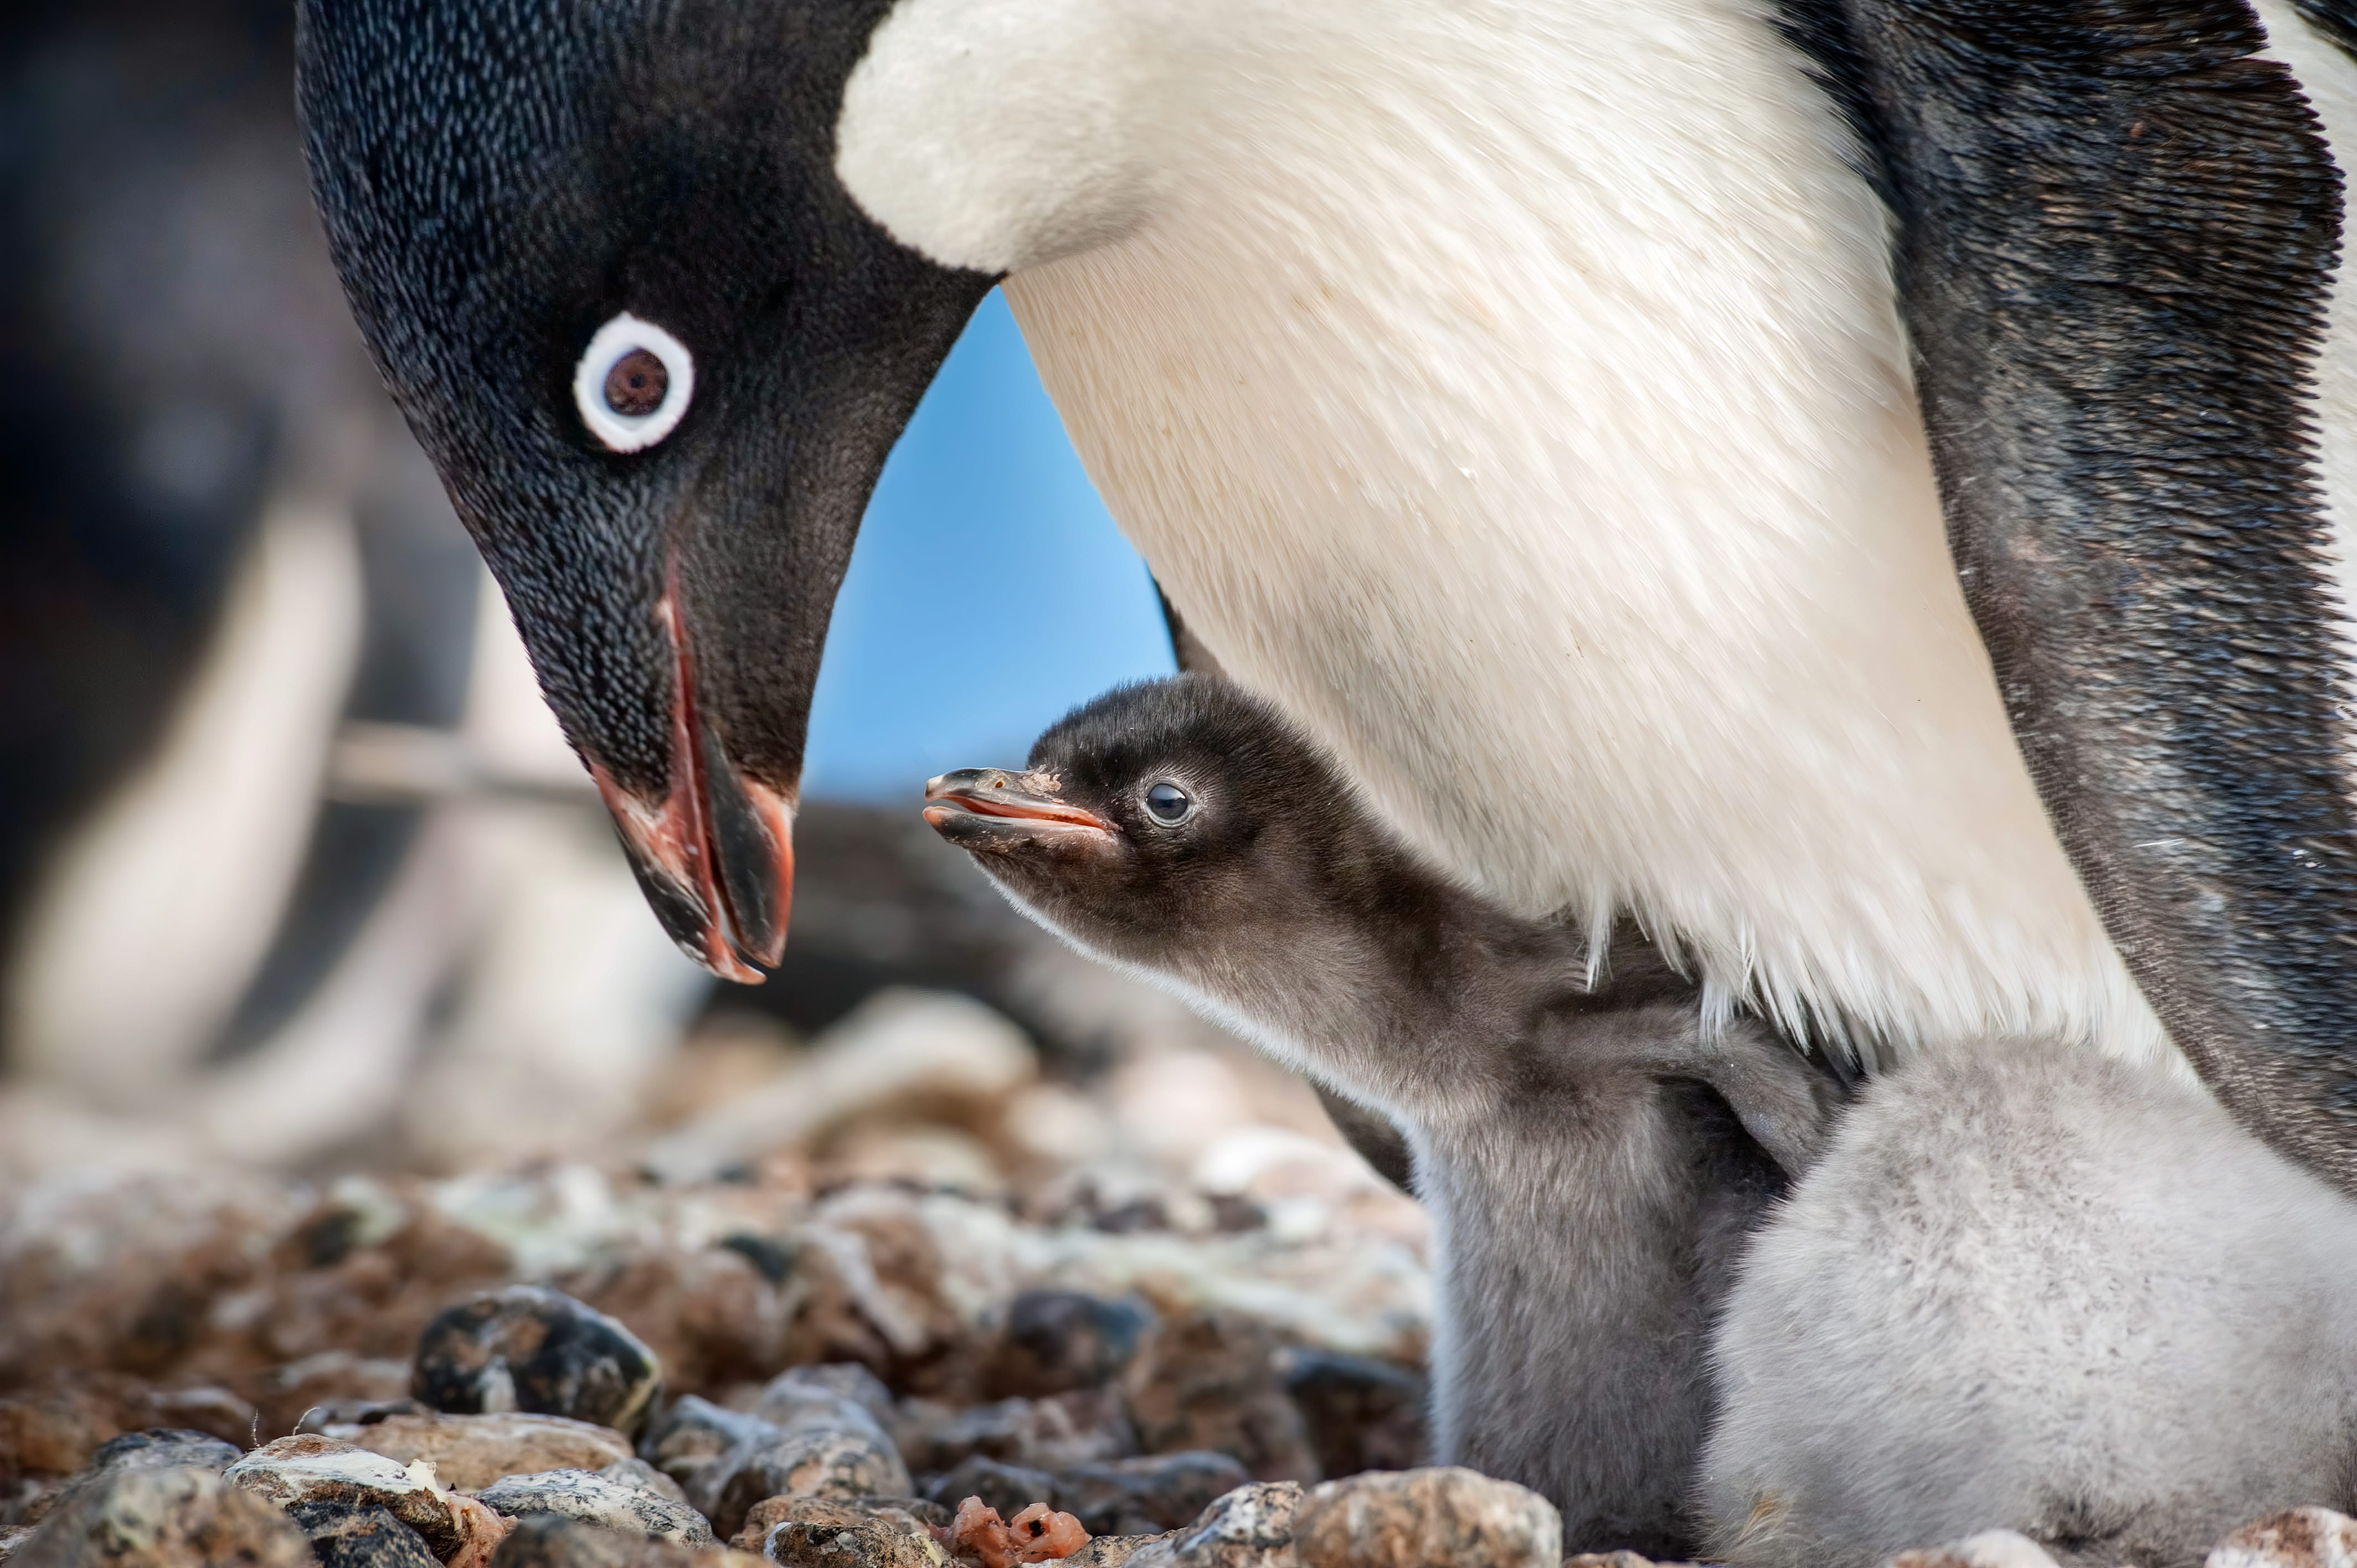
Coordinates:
2040 1290
1593 1155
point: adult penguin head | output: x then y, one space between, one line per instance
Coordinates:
658 355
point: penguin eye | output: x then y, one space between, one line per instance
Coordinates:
1169 804
633 383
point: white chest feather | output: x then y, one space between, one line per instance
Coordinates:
1513 391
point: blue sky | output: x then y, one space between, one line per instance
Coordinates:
989 593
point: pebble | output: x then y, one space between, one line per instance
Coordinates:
810 1461
2297 1538
816 1436
1112 1551
1209 1379
319 1480
911 1515
1082 1427
527 1348
159 1448
868 1533
469 1452
1989 1549
1009 1488
825 1389
1251 1527
1362 1413
165 1519
549 1542
1442 1518
691 1440
368 1538
1057 1341
1144 1497
592 1499
645 1477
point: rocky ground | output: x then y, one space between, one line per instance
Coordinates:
822 1297
902 1297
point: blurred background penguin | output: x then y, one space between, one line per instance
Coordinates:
294 867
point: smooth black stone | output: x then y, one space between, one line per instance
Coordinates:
560 1357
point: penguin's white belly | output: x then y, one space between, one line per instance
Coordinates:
1561 471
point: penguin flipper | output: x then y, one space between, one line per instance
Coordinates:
2118 228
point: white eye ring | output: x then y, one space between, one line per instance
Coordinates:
614 342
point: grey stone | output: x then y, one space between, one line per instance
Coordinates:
1143 1497
546 1541
1112 1551
1009 1488
1251 1527
1056 1341
817 1532
321 1479
591 1499
165 1517
690 1441
811 1461
470 1452
826 1388
1441 1518
1088 1426
157 1448
163 1448
363 1538
645 1477
530 1348
816 1436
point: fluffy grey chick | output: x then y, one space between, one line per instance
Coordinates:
1593 1155
2043 1291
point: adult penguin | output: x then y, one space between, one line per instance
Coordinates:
1541 402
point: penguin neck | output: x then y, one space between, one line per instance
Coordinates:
1372 973
1516 395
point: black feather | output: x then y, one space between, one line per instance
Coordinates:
2119 232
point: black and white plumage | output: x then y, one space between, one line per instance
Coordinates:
1502 390
1594 1156
1845 484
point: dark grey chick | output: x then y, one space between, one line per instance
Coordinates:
1593 1150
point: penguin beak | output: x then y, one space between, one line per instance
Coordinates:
984 809
716 855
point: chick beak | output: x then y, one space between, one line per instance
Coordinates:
715 856
982 808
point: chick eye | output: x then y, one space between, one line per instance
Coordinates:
1169 804
633 383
